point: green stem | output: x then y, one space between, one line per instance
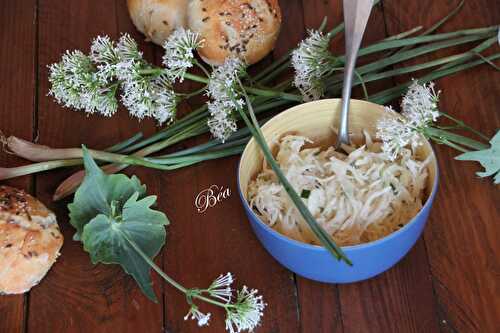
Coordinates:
461 124
181 124
124 144
283 60
479 55
449 144
363 85
254 91
335 84
456 138
385 45
195 93
8 173
404 34
471 54
400 57
283 63
200 65
395 92
234 148
322 235
436 26
167 278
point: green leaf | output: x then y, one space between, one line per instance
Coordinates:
489 159
107 239
113 219
96 193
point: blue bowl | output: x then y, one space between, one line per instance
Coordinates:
315 262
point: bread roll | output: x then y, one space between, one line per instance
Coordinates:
158 18
30 241
244 28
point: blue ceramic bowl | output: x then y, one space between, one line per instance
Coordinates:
315 262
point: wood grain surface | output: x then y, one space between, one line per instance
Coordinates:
17 114
449 282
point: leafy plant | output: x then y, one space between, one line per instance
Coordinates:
118 68
489 159
113 219
109 213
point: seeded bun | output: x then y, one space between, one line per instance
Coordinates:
247 29
30 241
157 19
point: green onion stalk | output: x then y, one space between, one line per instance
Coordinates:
401 47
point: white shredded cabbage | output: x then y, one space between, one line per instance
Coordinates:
357 198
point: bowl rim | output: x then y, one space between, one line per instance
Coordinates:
320 248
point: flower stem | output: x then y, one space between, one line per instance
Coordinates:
461 124
394 92
435 26
385 45
167 278
322 235
254 91
456 138
124 144
200 66
195 93
449 144
8 173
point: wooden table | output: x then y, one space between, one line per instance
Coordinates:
450 281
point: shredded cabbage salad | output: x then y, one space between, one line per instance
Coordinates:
356 198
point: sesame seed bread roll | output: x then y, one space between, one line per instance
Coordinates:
157 19
247 29
30 241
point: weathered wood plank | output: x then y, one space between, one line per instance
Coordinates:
78 296
202 246
83 297
398 300
17 93
462 235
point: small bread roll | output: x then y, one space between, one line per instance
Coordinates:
247 29
158 18
30 241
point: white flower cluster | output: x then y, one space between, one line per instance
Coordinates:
311 62
221 287
179 52
225 98
75 84
419 110
247 312
195 314
148 97
91 82
244 314
144 95
420 104
396 134
103 53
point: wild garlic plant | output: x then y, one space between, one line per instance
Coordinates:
91 83
419 109
225 98
244 309
312 62
419 113
115 213
226 89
